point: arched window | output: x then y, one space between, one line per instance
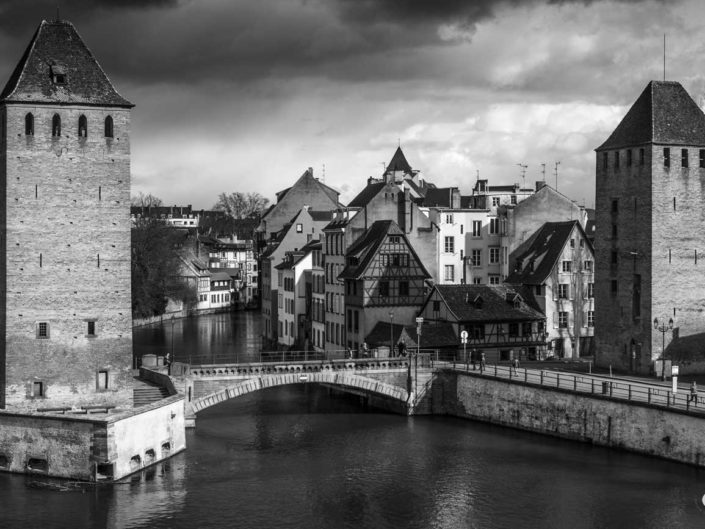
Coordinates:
82 126
56 126
109 127
29 124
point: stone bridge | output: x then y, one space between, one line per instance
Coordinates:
396 384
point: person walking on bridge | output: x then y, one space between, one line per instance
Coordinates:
693 392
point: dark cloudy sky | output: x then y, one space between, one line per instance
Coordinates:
244 95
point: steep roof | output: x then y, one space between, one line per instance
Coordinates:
56 48
368 193
665 114
544 251
439 197
485 303
399 163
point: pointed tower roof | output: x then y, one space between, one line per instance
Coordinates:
664 114
58 68
399 163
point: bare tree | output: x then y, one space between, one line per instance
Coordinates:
241 205
146 201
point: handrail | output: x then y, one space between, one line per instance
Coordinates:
638 392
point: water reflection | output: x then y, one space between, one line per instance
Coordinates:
213 338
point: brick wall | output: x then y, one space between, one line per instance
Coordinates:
66 259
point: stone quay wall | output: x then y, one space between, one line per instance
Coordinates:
601 420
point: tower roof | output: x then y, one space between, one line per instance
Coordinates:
665 114
58 68
399 163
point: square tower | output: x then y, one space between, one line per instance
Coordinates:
65 294
650 228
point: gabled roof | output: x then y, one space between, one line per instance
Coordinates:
366 247
368 193
665 114
56 48
399 163
439 197
544 250
485 303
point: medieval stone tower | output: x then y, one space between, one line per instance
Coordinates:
650 201
65 306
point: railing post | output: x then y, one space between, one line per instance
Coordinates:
592 386
630 392
668 399
541 381
575 383
495 370
610 389
510 373
649 396
526 375
558 380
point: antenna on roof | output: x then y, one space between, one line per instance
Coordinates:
543 172
323 176
399 142
523 173
555 172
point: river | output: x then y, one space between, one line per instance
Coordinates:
301 457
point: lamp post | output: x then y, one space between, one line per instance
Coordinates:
663 328
419 321
391 333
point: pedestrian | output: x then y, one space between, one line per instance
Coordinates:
473 359
350 353
401 348
365 350
515 365
694 392
482 362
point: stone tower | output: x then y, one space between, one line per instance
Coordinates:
650 228
64 230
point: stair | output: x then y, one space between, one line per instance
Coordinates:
145 392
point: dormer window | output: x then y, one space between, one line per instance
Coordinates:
58 75
82 126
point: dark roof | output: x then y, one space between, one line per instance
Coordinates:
689 348
544 250
368 193
439 197
56 47
664 113
432 335
220 275
485 303
399 163
365 248
319 216
381 334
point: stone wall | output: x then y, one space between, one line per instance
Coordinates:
599 420
67 233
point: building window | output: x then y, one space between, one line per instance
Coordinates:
666 157
615 205
356 318
29 124
384 289
476 258
449 218
614 231
82 126
403 288
616 160
613 287
702 157
572 243
513 199
109 127
56 126
449 274
591 318
494 255
90 328
587 266
102 380
614 257
476 228
684 157
449 244
436 306
494 226
300 228
629 158
563 320
567 266
38 389
563 289
494 279
42 329
495 201
641 156
476 280
604 160
513 330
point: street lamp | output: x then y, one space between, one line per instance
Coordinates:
663 328
391 333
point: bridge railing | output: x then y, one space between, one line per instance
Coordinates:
656 395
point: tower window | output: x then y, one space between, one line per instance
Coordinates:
90 330
38 389
29 124
109 127
56 126
604 160
43 330
102 381
629 158
615 205
666 157
641 157
684 157
82 126
616 160
702 157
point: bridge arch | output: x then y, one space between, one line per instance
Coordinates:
344 379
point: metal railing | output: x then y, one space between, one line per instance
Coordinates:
638 392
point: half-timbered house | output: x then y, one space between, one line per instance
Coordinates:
383 275
500 321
